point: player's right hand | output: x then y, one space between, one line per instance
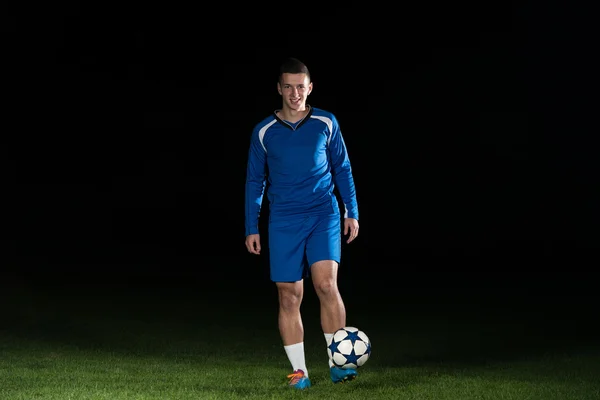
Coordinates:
253 243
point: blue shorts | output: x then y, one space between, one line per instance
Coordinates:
297 243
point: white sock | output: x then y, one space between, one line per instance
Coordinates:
328 337
295 353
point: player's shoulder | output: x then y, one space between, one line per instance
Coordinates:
326 117
265 122
319 112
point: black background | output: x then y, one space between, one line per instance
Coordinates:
469 129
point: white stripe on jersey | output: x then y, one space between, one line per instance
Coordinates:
328 122
261 133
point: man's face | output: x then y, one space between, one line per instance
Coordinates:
294 89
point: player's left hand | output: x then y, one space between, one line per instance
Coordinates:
350 229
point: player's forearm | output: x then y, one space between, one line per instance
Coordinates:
345 184
350 208
254 197
251 227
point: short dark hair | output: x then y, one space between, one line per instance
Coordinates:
292 65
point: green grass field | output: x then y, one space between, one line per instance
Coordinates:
112 343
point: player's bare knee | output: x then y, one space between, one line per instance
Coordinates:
289 302
326 288
290 296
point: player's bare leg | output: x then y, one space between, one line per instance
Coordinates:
333 311
290 320
292 331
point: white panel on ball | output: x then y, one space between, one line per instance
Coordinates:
350 348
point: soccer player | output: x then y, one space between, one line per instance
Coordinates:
297 156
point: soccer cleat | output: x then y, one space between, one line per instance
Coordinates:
340 375
298 380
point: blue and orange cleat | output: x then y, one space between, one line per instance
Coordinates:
341 375
298 380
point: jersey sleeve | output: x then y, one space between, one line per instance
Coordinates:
255 183
342 171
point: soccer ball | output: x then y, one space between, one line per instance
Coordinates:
349 348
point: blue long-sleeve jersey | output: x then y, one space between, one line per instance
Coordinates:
302 164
